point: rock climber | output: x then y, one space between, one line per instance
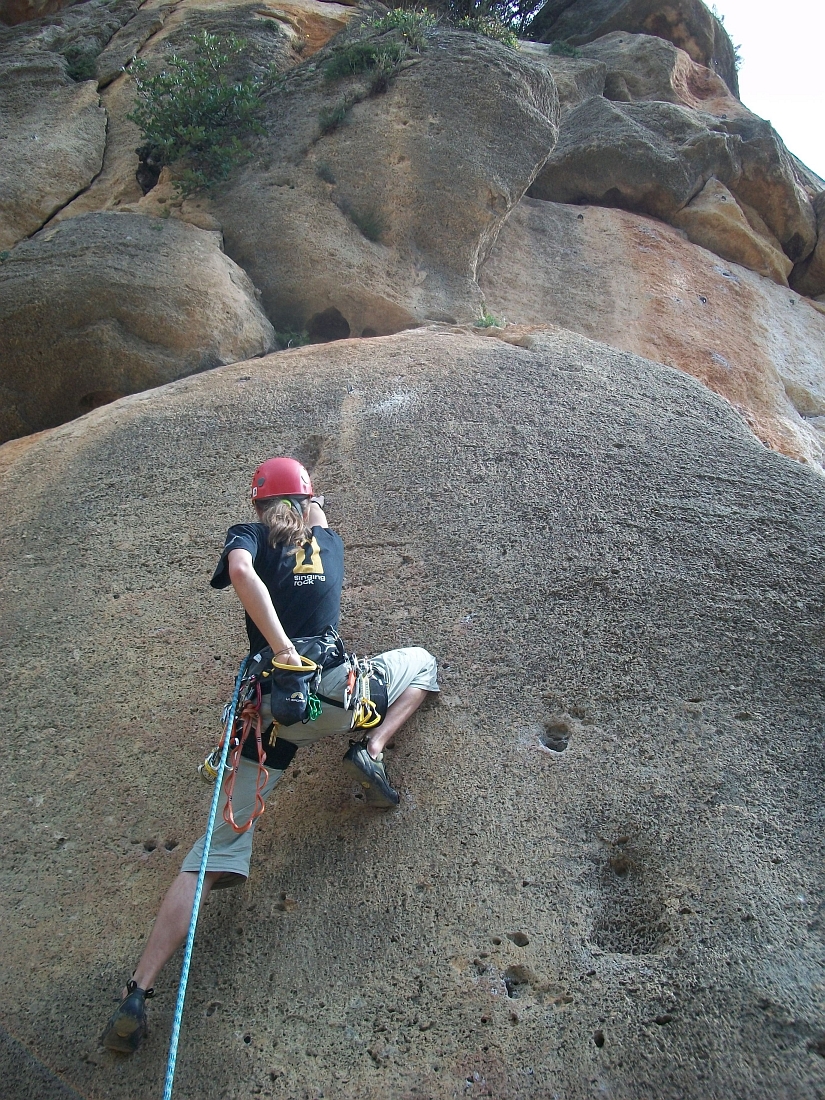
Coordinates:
287 569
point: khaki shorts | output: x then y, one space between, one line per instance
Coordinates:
229 851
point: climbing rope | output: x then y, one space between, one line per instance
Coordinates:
207 840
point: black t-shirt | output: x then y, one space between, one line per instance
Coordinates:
305 587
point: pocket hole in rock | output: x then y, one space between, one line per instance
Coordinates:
149 845
555 735
598 1039
520 939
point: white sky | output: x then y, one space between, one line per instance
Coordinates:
781 76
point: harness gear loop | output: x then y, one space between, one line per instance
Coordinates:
249 718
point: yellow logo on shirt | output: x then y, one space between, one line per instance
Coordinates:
308 558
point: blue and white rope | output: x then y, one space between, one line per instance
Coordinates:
207 840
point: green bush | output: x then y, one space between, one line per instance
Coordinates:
491 27
411 22
194 113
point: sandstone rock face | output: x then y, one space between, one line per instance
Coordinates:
277 35
128 42
105 305
654 157
642 67
604 561
576 78
52 137
688 24
20 11
635 284
714 220
809 276
382 223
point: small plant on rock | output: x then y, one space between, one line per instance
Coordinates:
80 63
491 27
564 49
412 23
194 113
363 56
291 338
330 118
487 320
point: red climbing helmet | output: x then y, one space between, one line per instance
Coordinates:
280 477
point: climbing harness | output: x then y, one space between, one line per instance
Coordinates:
292 698
196 904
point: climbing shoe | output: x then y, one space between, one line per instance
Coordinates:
127 1028
371 774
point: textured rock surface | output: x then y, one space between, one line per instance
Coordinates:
634 283
643 67
714 220
809 276
270 35
576 78
688 24
20 11
105 305
52 137
602 556
655 157
381 223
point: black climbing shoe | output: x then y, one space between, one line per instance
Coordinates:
371 774
127 1028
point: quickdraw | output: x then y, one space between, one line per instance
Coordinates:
357 695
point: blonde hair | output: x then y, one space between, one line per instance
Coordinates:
286 521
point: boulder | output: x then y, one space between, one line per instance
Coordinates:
52 135
809 276
650 157
637 285
640 67
688 24
654 157
714 220
107 304
616 789
576 78
380 222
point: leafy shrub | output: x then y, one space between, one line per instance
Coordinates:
194 112
491 27
411 22
564 49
